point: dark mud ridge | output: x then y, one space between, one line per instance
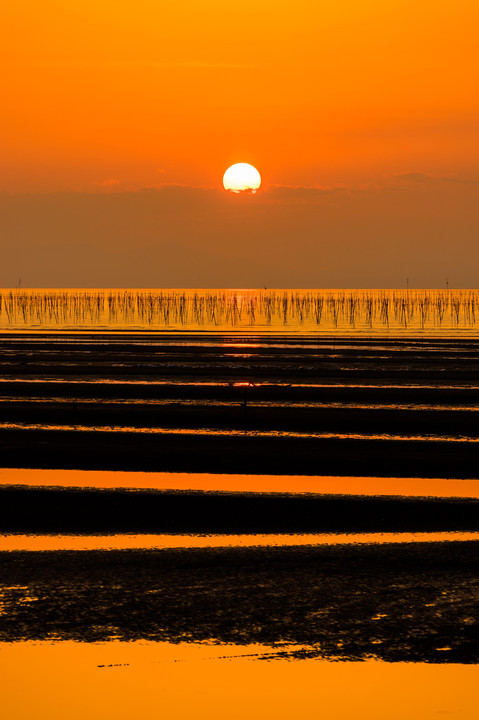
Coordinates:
240 453
32 510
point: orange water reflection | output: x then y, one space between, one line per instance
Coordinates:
406 487
145 680
42 543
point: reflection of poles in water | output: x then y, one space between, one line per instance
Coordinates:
371 309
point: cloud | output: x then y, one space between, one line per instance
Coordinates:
110 182
426 178
285 236
302 194
412 176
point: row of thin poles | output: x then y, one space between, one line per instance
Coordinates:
163 308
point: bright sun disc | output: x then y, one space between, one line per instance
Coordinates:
242 178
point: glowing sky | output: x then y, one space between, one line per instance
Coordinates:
340 96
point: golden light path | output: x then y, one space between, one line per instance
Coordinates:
242 178
45 543
213 482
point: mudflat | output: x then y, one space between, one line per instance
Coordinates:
237 403
406 602
54 510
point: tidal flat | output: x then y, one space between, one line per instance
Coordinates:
394 602
92 511
290 483
229 403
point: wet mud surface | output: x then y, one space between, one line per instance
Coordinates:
54 510
232 403
397 603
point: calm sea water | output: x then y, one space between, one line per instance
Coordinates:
350 312
145 680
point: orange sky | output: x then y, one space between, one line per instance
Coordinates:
374 104
313 93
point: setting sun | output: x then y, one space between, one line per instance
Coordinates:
242 178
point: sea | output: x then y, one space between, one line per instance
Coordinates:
239 503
